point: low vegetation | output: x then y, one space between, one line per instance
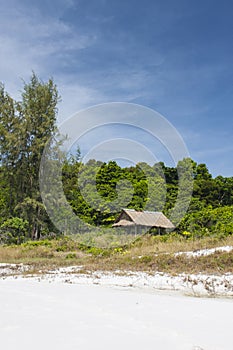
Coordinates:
148 253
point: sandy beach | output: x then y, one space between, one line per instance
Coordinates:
50 314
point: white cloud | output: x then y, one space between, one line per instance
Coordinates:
76 97
31 41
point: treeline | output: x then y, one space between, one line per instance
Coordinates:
96 191
156 188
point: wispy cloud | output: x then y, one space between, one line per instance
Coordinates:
30 41
168 58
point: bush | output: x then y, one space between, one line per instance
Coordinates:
209 222
13 231
43 243
71 256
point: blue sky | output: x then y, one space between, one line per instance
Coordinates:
172 56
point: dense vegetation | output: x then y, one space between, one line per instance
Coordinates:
210 211
96 191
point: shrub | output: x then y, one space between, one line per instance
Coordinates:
13 231
43 243
71 256
209 222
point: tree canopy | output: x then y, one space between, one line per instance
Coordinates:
96 191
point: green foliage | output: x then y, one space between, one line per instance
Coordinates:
96 191
96 200
13 230
41 243
25 127
71 256
95 251
209 222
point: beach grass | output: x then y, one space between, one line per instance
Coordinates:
146 253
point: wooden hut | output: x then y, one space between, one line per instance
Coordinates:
142 220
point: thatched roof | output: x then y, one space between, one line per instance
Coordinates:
123 223
143 218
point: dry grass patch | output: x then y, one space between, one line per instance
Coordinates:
148 253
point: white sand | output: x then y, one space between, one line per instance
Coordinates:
55 315
206 252
200 285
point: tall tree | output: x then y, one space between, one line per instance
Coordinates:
25 127
10 147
